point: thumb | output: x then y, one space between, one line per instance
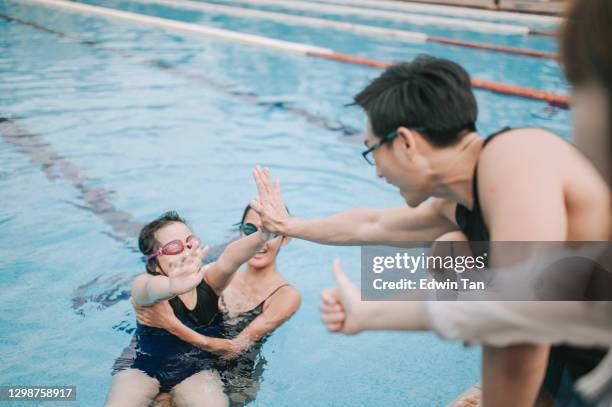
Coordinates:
256 205
342 279
204 252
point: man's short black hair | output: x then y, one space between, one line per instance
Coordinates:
146 240
431 95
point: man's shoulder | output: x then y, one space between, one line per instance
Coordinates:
528 148
524 139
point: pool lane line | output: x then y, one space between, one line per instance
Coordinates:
124 228
56 166
455 11
512 90
227 35
473 25
312 118
410 36
494 47
325 53
530 8
401 35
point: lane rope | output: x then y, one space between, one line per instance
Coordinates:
410 36
326 53
391 15
455 11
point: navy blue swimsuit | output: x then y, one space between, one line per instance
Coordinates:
170 360
167 358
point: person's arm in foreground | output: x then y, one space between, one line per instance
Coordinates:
352 227
278 309
343 311
220 273
187 273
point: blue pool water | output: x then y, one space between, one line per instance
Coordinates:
115 137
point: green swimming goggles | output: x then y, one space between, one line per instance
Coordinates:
249 229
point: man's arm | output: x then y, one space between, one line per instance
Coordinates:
353 227
391 226
342 309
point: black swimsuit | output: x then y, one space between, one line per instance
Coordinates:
170 360
471 222
241 375
205 310
167 358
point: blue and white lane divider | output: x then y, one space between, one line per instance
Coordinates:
400 35
453 11
321 8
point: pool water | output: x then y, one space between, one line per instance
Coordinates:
103 138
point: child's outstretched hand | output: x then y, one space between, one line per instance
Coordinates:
187 272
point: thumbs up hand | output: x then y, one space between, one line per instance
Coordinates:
341 306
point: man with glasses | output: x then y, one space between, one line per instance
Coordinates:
526 185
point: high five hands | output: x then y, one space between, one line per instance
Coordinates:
269 204
341 306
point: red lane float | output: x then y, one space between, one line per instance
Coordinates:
528 93
493 47
336 56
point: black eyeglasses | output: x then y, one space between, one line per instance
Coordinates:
367 154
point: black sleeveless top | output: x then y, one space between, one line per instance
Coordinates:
242 375
205 310
234 325
471 222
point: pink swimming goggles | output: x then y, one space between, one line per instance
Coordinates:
176 247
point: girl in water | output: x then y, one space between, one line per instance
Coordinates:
176 278
257 300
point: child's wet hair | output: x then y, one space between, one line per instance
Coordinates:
146 240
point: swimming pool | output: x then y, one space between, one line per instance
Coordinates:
112 123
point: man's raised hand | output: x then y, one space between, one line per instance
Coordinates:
269 203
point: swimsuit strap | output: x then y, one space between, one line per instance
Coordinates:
471 222
274 292
262 302
271 294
